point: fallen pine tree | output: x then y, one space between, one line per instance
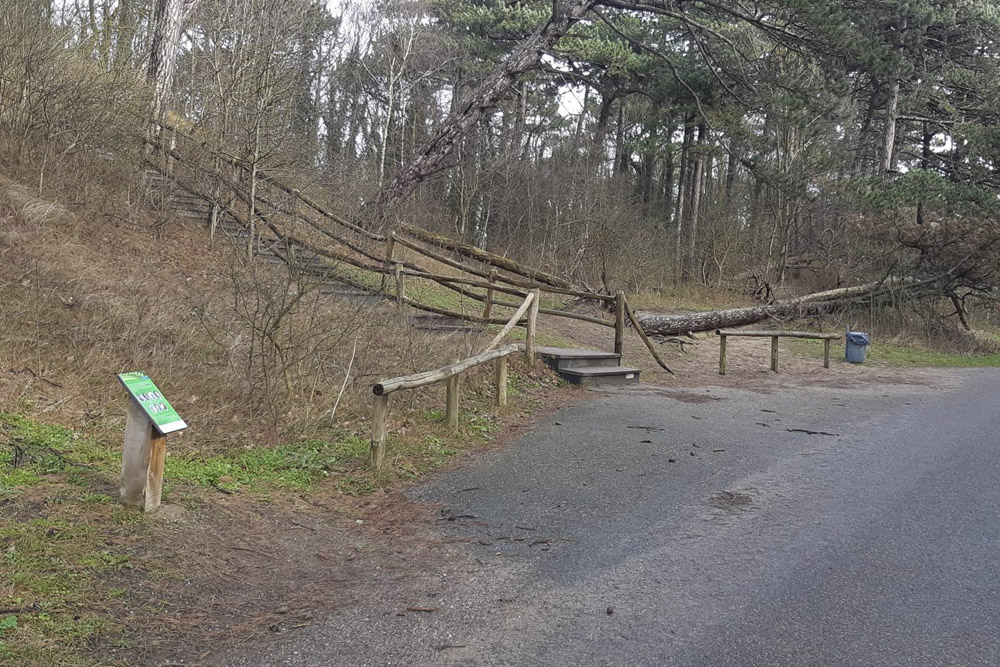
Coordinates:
805 306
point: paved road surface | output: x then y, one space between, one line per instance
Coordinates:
646 526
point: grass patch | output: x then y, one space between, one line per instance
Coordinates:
899 355
67 547
292 466
59 535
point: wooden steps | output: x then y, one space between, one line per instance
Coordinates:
588 367
319 270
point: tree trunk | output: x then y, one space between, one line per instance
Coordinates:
889 143
811 304
730 175
696 188
925 157
667 186
169 19
682 197
864 136
487 257
620 157
432 158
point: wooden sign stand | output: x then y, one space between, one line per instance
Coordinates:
142 460
150 418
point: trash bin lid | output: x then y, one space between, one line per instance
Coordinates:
858 338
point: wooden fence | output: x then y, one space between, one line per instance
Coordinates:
451 374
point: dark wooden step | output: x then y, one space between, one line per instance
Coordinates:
562 358
600 375
420 320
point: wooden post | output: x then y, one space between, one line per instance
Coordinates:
400 287
488 306
142 460
774 353
529 337
390 249
619 322
500 381
380 410
722 354
451 402
826 353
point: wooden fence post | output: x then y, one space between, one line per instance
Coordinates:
774 353
826 353
400 287
390 249
451 402
380 410
500 381
619 322
488 306
722 354
529 338
142 460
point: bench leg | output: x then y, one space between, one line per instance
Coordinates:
774 353
826 353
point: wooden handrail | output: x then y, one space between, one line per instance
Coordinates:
449 374
515 318
386 387
772 334
643 336
524 284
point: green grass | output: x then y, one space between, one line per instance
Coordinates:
71 556
893 354
542 338
436 295
292 466
58 522
62 529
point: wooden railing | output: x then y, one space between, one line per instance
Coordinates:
376 254
774 336
451 374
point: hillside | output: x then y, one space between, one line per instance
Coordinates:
93 289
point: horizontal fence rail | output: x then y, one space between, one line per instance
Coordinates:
449 374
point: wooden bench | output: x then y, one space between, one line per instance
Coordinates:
774 336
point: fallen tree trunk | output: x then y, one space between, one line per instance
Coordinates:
486 257
804 306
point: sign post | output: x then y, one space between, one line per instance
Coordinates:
150 418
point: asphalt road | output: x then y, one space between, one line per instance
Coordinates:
643 526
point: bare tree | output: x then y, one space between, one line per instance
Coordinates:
168 21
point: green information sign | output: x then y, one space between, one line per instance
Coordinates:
160 412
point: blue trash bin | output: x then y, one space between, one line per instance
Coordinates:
856 347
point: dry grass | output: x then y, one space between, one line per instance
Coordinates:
247 353
252 359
